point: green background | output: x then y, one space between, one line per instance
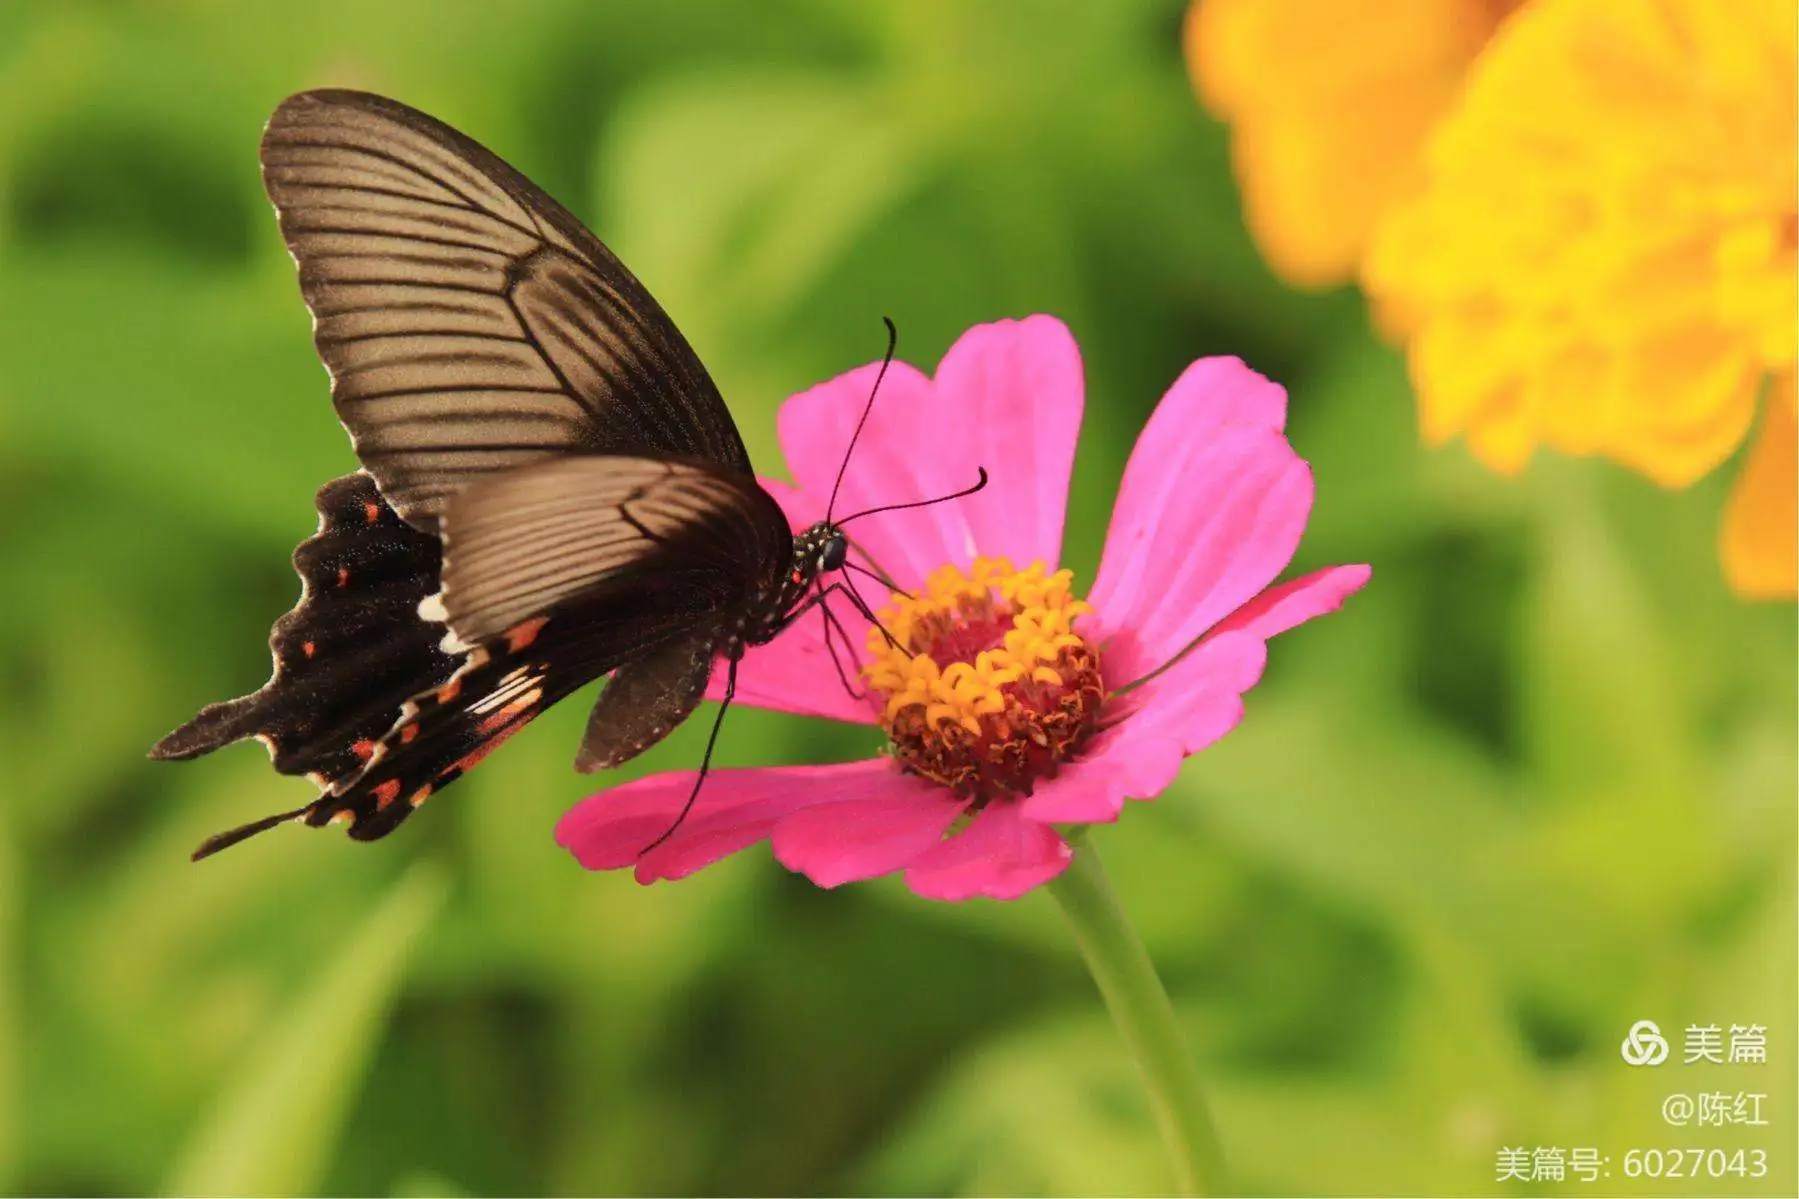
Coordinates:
1534 784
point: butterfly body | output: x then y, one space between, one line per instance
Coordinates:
552 489
819 550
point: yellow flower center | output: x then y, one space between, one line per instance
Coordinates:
993 688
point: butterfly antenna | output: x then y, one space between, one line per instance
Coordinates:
892 344
942 499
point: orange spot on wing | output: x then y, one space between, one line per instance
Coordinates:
309 649
343 576
386 793
477 755
364 749
449 691
524 633
372 511
420 796
408 733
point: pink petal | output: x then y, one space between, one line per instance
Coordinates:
1208 515
793 673
1189 706
1296 601
1092 790
1224 391
893 463
838 843
1085 792
1008 397
1196 701
802 510
736 809
1000 855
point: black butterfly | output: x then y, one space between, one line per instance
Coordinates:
553 489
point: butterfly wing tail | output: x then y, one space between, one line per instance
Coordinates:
216 725
244 832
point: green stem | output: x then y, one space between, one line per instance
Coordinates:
1139 1005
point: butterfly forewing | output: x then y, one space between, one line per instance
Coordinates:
470 324
577 534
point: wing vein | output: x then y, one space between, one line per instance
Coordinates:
410 168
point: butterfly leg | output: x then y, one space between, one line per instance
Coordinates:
880 578
856 601
875 570
833 624
848 587
724 705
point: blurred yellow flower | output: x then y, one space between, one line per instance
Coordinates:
1761 527
1329 103
1601 256
1594 249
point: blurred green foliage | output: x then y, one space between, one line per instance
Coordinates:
1534 784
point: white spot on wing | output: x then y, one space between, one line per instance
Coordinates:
432 611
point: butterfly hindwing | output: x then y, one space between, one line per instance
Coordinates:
443 732
349 653
503 685
470 324
431 738
676 556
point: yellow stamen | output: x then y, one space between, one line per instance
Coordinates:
994 687
1042 611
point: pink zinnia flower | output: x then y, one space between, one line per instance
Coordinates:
1014 711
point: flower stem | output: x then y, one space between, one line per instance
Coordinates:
1139 1005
